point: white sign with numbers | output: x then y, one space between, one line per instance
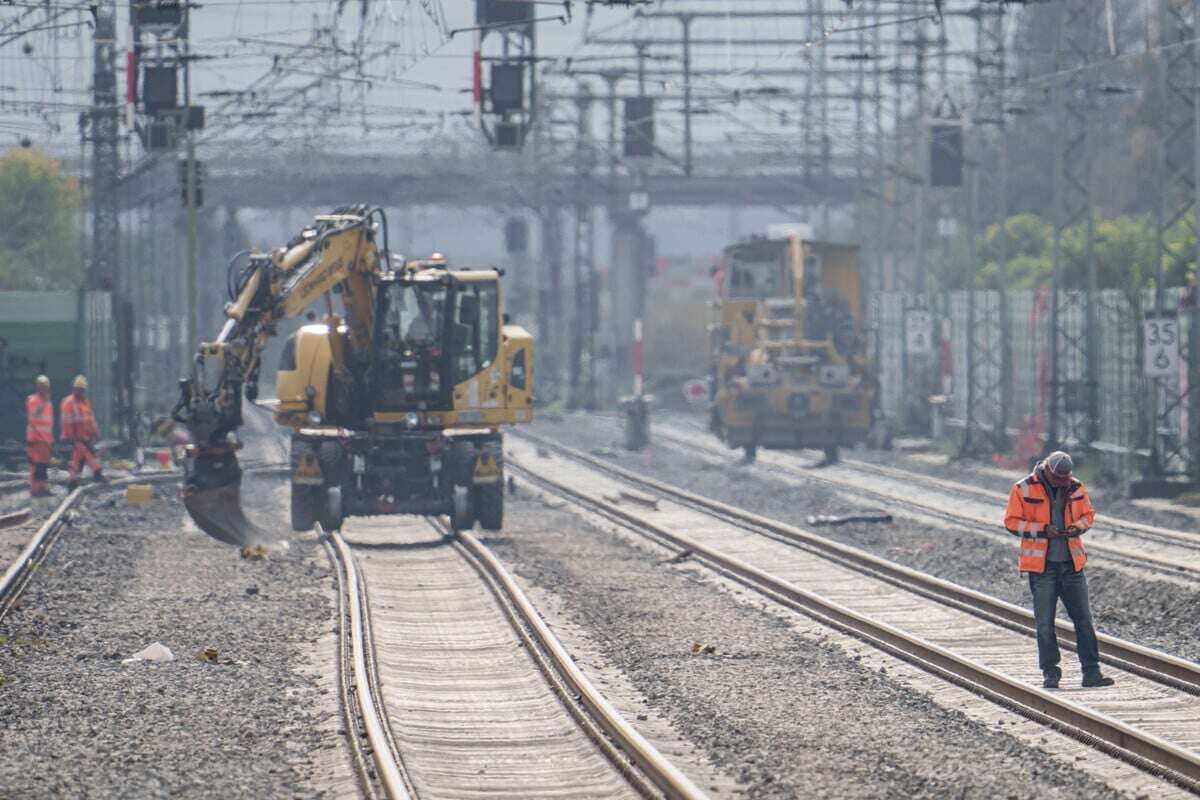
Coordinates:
1160 336
918 332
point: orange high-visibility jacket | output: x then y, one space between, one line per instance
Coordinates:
77 421
39 419
1028 515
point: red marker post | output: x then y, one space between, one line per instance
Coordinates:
637 358
636 409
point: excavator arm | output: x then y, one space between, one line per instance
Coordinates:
338 251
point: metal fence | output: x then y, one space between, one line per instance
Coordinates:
990 368
60 334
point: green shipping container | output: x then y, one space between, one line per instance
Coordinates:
59 334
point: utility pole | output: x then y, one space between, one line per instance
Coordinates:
988 350
920 43
102 268
1074 391
580 320
1193 434
1178 76
686 21
190 188
105 163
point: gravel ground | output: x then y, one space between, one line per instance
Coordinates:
1154 613
78 722
788 716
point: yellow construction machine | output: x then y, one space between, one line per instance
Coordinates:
395 404
787 367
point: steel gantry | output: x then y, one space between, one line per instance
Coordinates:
989 347
582 335
1073 385
1172 428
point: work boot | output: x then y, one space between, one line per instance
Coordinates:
39 493
98 477
72 485
1091 681
1050 680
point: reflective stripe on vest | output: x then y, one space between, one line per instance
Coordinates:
77 420
39 425
1028 527
1078 555
1033 551
1033 555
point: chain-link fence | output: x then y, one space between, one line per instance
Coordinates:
988 363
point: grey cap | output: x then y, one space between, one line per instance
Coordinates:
1060 464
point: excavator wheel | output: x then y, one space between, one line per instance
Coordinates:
330 509
462 518
489 505
304 507
306 500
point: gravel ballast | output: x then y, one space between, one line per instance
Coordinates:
252 718
786 715
1154 613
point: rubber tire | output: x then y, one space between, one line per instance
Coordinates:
462 518
489 506
304 507
330 508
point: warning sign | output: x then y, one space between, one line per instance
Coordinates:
1160 339
918 331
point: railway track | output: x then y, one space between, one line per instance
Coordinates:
971 507
460 689
1151 719
17 576
18 573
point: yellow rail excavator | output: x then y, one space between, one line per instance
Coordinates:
395 405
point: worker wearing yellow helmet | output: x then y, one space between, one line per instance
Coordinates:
39 436
78 426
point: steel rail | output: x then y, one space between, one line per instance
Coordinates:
1181 538
387 761
19 571
933 510
1146 751
355 733
1161 667
17 575
10 518
653 764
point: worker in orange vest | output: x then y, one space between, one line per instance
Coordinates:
39 435
1050 511
78 426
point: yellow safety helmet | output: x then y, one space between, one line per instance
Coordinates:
42 380
80 382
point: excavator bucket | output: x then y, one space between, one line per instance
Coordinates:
213 498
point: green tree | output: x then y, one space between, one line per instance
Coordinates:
1029 240
39 237
1124 252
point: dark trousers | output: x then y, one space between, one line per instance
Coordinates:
1061 581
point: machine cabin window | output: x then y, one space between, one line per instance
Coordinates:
476 335
757 277
415 313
